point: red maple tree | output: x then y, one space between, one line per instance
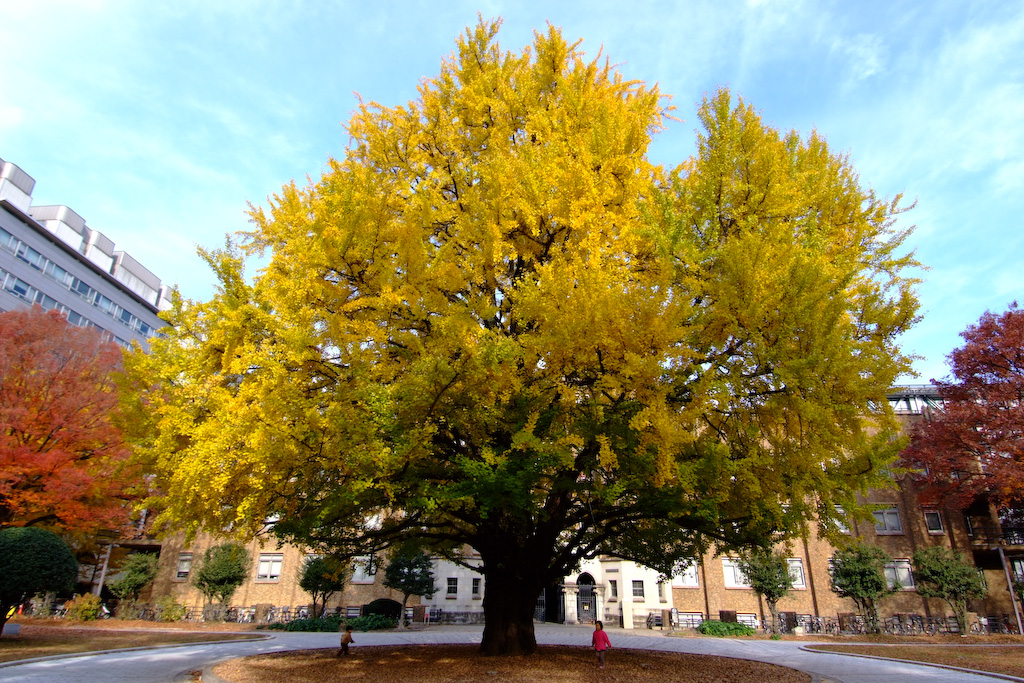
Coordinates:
974 445
60 453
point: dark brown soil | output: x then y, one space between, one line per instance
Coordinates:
555 664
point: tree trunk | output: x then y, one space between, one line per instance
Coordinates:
509 603
5 607
959 613
401 615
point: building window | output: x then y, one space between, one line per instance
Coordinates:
888 521
898 575
638 589
734 576
661 592
748 619
363 569
184 566
269 567
796 572
841 520
1017 567
933 520
453 588
476 588
688 578
615 589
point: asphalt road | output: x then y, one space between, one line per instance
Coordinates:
165 665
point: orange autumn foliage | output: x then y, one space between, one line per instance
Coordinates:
59 450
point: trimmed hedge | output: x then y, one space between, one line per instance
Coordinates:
724 628
333 623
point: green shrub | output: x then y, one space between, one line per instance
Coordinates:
372 622
331 623
83 607
724 628
129 609
167 609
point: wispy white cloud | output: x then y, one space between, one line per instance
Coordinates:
865 55
166 118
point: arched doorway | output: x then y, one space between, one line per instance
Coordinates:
586 599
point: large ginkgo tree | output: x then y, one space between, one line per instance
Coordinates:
494 324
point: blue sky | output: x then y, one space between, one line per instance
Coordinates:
159 121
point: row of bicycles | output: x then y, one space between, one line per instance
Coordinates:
897 625
259 614
811 625
914 624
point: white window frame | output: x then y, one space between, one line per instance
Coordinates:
796 572
842 520
614 585
937 516
661 592
899 574
477 583
888 522
452 591
747 618
184 567
638 589
734 576
268 567
688 578
364 569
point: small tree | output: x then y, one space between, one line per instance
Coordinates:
943 573
137 572
223 570
61 456
32 560
409 572
974 445
322 577
858 573
769 577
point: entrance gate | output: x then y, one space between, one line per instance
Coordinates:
586 599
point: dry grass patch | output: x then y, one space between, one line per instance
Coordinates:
994 658
46 641
555 664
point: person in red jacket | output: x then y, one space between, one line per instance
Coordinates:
600 642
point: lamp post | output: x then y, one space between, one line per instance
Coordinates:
1009 584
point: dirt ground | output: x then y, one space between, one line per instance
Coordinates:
42 637
554 664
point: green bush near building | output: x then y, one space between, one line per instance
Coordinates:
724 628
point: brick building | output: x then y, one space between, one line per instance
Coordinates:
623 592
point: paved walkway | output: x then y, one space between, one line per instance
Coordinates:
163 665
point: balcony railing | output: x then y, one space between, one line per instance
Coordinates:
995 534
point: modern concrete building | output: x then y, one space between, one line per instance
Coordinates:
50 257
